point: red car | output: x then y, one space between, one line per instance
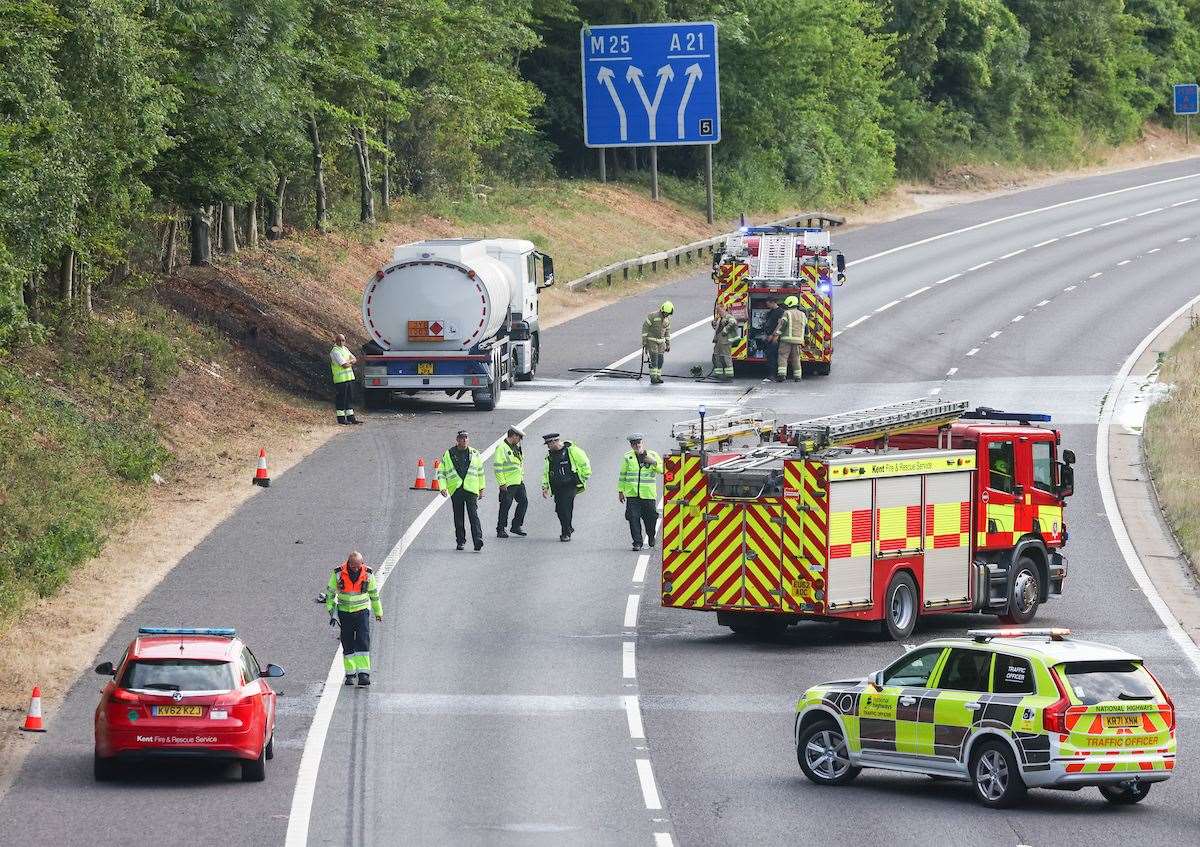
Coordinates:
186 693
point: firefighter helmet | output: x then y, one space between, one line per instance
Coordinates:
792 302
667 307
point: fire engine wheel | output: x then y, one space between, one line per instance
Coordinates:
1024 593
900 607
823 756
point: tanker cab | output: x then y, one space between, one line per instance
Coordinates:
1022 486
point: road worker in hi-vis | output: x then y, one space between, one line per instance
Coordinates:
351 598
656 339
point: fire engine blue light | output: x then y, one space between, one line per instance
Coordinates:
226 632
825 287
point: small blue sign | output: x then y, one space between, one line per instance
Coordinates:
650 84
1187 98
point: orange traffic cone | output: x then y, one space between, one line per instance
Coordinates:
33 720
437 483
419 483
260 475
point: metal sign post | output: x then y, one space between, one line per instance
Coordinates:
1187 103
654 172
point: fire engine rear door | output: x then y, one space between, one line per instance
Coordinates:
762 579
850 538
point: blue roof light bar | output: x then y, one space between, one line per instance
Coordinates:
984 413
220 631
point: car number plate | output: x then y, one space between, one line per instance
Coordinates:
424 368
178 711
1122 721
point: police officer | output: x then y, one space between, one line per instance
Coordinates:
637 488
463 482
790 336
351 598
725 335
509 466
564 474
656 339
341 362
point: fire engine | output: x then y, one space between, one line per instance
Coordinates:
880 515
777 261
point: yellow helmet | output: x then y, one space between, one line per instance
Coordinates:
792 302
667 308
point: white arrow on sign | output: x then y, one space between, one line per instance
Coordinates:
665 75
693 73
605 78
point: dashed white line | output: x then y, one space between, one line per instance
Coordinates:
1148 212
952 372
1042 303
1096 274
633 714
1124 262
1079 232
1155 250
947 278
1185 238
1044 243
628 661
935 391
887 306
996 334
1117 221
857 321
639 570
836 334
663 839
980 265
631 610
1069 288
972 351
1013 253
1184 202
1018 318
649 789
920 290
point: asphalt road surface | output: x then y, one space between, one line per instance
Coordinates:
522 697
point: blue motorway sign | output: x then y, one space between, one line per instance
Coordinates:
1187 98
649 84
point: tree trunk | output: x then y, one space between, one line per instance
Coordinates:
366 193
322 210
201 240
85 290
66 276
275 225
229 245
171 249
385 182
252 225
33 300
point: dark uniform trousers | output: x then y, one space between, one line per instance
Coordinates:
344 395
508 495
641 511
564 506
356 631
466 502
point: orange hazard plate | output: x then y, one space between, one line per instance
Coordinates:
424 368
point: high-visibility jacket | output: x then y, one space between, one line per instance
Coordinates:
352 595
508 465
656 332
791 326
725 334
579 464
451 481
637 479
341 373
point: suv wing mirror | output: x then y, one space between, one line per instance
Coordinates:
106 669
1069 457
547 271
272 671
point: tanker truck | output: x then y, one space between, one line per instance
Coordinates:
458 315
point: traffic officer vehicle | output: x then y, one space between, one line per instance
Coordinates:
190 694
1006 709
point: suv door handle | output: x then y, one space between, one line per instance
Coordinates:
907 701
971 706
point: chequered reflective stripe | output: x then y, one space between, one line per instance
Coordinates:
763 554
947 525
850 534
684 494
1050 523
998 526
898 528
818 335
724 546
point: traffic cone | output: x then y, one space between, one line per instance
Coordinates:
33 720
260 475
437 483
419 483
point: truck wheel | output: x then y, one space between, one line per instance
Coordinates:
485 401
1024 593
823 755
900 607
372 399
533 361
995 776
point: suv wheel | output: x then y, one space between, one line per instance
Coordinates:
823 755
995 776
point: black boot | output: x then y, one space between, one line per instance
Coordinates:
516 530
353 420
460 545
364 678
349 679
500 533
341 419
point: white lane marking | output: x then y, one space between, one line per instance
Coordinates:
639 570
920 290
935 391
1079 232
1124 262
996 334
857 321
663 839
1096 274
947 279
1155 250
1148 212
887 306
1014 253
1185 238
1184 202
633 714
1042 303
972 351
1017 215
1070 288
631 611
1017 318
649 789
1044 243
952 372
1117 221
628 660
839 332
1109 496
980 265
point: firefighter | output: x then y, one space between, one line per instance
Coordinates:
725 335
770 324
564 474
463 482
351 598
509 466
656 339
637 488
790 337
341 362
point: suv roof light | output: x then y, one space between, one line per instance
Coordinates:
220 631
1056 633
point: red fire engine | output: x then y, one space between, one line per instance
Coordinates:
884 514
777 261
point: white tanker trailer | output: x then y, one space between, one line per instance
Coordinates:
458 315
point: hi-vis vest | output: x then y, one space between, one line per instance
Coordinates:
638 480
508 465
791 327
341 373
452 481
352 595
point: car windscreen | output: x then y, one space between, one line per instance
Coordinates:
1103 682
178 675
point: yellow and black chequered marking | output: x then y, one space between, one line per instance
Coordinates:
685 491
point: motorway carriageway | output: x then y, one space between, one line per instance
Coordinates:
536 693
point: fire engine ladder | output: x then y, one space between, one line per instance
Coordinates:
722 429
876 422
776 256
